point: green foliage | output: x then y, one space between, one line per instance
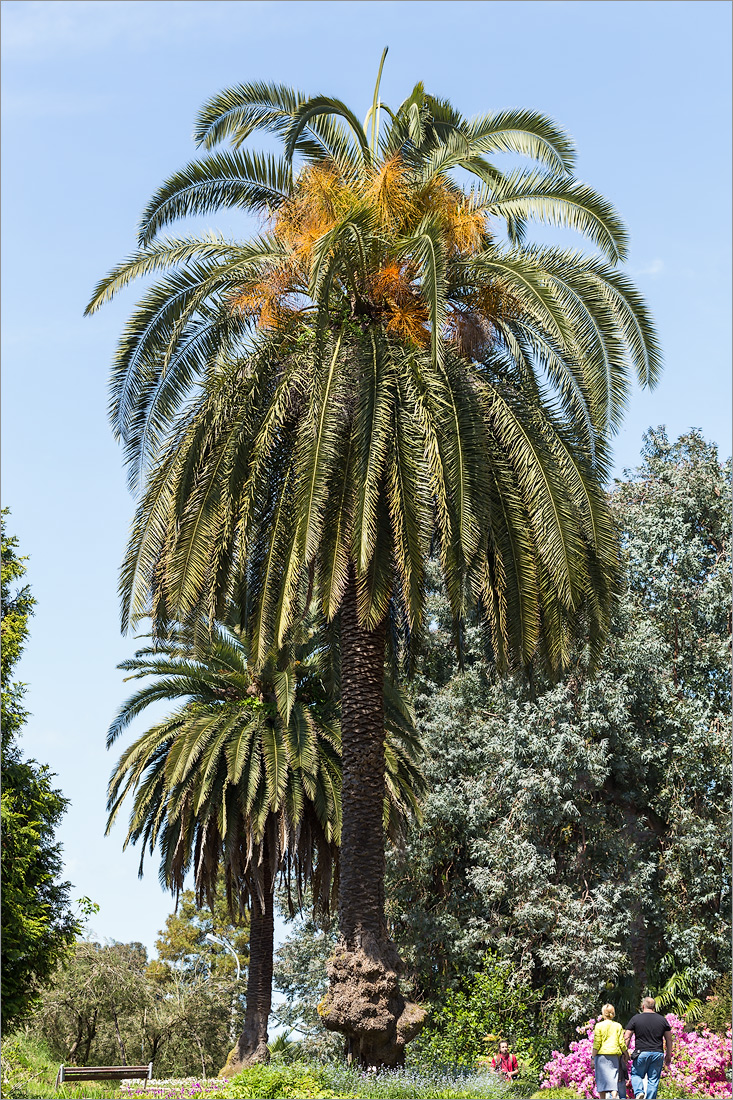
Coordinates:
17 607
555 1094
582 830
467 404
471 1022
29 1070
678 992
306 1080
268 1082
38 925
717 1011
182 943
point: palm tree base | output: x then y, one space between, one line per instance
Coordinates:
364 1003
245 1053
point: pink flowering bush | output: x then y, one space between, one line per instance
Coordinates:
700 1063
700 1060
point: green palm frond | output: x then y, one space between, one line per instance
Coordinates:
527 133
319 106
246 181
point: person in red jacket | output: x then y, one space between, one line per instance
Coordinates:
504 1062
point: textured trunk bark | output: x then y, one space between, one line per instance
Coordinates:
361 896
90 1037
120 1044
364 1001
252 1043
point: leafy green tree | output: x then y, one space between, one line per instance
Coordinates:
108 1006
182 944
17 608
387 366
581 830
84 1013
188 961
38 925
472 1022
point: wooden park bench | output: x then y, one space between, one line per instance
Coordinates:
103 1073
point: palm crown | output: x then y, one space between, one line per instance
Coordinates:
396 366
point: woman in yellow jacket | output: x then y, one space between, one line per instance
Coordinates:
610 1052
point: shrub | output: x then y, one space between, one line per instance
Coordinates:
340 1082
278 1081
491 1008
716 1013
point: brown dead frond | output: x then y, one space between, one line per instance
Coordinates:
470 333
471 325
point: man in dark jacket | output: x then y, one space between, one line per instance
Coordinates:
652 1048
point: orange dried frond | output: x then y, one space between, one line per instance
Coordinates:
463 224
438 196
321 197
410 322
393 282
267 299
467 228
389 189
321 186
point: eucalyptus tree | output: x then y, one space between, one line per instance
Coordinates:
388 367
245 778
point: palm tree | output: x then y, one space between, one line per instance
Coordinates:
245 777
387 369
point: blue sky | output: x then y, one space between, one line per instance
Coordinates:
98 105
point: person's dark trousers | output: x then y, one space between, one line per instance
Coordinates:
649 1064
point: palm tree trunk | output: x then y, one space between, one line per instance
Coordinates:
364 1001
252 1044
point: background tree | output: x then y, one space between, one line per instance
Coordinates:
107 1004
581 830
38 925
412 407
182 943
300 974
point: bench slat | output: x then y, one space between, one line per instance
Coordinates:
101 1073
